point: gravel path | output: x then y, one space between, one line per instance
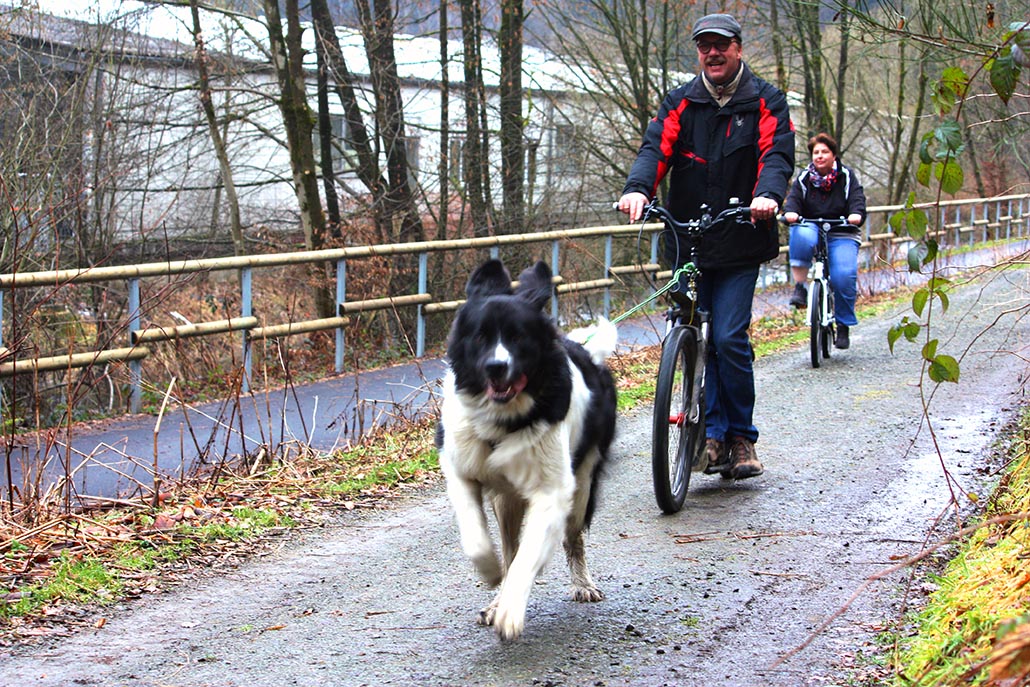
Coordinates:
714 595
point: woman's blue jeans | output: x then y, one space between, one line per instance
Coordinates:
843 265
729 374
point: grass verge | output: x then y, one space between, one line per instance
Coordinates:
975 628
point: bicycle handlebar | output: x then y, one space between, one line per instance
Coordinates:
825 223
734 211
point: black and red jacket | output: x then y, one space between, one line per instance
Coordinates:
742 150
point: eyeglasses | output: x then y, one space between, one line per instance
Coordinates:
722 45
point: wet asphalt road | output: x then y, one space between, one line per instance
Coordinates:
714 595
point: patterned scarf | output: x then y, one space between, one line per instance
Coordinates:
817 180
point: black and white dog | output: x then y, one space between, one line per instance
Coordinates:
527 419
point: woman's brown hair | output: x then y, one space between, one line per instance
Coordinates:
827 140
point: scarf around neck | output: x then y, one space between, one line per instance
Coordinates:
722 93
817 180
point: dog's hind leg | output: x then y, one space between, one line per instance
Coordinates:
583 587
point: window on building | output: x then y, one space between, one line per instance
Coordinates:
338 144
567 150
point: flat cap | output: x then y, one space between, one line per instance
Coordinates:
722 24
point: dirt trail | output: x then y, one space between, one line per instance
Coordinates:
711 596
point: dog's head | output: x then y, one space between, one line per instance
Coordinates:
501 336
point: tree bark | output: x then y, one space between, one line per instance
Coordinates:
357 137
217 142
288 61
512 148
473 160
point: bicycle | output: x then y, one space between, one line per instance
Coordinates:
821 320
679 402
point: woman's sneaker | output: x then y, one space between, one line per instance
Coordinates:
799 299
842 340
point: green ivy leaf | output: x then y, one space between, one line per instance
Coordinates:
924 148
931 251
923 174
919 300
917 221
942 97
916 255
897 222
944 368
893 334
950 175
943 298
949 134
957 80
911 331
1004 74
929 350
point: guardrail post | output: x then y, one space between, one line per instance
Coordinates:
423 287
958 225
246 310
135 366
607 274
555 261
341 296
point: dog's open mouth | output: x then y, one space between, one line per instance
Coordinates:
502 391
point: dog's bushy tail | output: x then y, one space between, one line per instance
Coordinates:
599 339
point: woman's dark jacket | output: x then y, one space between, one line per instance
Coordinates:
742 150
845 197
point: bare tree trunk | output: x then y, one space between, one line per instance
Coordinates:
809 44
777 45
512 148
842 70
473 160
288 61
401 208
235 224
445 126
356 135
325 139
378 31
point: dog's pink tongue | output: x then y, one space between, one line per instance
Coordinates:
505 394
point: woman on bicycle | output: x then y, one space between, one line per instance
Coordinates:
827 190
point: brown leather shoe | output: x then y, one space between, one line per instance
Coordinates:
714 458
743 459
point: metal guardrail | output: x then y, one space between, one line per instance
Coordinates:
970 220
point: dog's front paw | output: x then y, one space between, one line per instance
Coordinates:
509 621
588 594
489 569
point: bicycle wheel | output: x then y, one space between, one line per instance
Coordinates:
827 337
815 319
676 441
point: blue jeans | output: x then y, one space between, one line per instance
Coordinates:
729 374
843 266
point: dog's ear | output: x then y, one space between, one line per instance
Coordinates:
535 284
489 279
